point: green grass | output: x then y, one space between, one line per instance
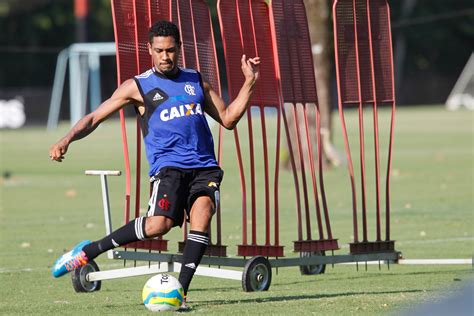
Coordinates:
47 207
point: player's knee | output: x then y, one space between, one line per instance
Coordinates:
204 208
157 225
201 214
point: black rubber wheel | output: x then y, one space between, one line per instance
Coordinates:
257 275
79 281
312 269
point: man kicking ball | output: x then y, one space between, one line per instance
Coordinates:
170 102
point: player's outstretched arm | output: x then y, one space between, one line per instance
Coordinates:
230 116
125 94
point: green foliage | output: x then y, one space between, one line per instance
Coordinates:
440 43
33 33
51 23
439 40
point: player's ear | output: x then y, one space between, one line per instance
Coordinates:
149 48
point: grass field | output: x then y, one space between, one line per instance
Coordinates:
46 207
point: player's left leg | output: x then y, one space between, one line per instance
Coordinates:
198 239
202 204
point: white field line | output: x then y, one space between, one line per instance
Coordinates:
419 262
106 265
424 241
435 261
435 241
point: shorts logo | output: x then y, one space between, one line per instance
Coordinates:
189 89
164 204
212 184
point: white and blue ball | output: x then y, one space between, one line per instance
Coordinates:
162 292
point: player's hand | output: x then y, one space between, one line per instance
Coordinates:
58 150
250 67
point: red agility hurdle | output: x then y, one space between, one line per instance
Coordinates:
277 30
132 19
292 34
245 28
364 67
194 21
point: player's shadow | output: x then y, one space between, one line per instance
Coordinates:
196 304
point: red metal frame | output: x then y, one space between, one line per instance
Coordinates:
364 69
299 87
257 27
239 20
131 19
196 33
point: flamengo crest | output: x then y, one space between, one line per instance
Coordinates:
189 89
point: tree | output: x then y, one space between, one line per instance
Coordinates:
320 26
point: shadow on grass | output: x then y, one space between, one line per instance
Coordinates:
296 298
312 279
335 277
375 274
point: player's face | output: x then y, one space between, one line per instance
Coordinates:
165 52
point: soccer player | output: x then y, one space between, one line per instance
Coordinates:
170 102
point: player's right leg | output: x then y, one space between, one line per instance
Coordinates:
140 228
71 260
165 211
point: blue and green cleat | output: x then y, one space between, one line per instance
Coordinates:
72 260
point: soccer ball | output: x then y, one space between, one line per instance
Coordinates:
162 293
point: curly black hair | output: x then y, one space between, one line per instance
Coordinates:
164 28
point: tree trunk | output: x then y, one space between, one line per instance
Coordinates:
319 22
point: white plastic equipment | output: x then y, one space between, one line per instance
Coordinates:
462 94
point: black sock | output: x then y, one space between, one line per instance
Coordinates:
193 251
130 232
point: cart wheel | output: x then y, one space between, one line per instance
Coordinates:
257 275
312 269
79 281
